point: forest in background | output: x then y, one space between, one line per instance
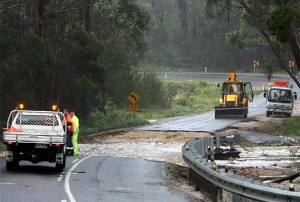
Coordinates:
184 36
87 54
223 35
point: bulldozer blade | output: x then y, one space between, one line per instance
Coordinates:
230 112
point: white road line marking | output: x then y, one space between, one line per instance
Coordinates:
64 201
122 188
60 178
6 183
74 161
67 179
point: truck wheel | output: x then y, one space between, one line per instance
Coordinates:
60 167
288 115
10 166
245 113
268 114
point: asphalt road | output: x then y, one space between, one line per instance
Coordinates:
88 179
255 79
206 121
103 178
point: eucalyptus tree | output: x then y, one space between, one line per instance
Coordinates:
181 35
277 22
76 53
283 23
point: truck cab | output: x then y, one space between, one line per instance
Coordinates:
280 99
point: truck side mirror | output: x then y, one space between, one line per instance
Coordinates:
295 95
218 85
265 94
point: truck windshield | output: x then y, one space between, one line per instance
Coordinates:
280 95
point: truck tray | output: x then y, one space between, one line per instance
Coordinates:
22 137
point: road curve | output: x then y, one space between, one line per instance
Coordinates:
105 178
85 179
206 121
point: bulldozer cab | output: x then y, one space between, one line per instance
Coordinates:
232 88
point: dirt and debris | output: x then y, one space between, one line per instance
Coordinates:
150 145
260 124
159 137
166 146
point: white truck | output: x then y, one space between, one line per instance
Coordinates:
280 98
35 136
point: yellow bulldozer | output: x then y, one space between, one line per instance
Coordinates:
235 95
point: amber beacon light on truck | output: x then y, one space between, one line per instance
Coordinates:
54 108
21 106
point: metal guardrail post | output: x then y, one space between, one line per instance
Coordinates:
212 157
218 144
198 147
205 147
202 146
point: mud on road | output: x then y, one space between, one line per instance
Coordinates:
166 146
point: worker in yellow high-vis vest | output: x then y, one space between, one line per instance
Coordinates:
75 121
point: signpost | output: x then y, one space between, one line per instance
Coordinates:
134 107
291 64
133 97
255 64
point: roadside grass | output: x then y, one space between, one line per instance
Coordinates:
178 172
2 146
182 98
187 97
289 127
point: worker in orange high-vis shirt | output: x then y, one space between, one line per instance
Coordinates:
68 124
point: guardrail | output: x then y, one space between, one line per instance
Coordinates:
200 159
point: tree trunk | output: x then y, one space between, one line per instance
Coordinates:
182 6
267 37
37 18
87 15
38 7
295 50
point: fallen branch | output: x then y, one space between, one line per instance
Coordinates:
289 177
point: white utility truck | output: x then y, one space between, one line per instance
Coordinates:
35 136
280 98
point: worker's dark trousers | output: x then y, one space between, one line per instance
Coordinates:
70 150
